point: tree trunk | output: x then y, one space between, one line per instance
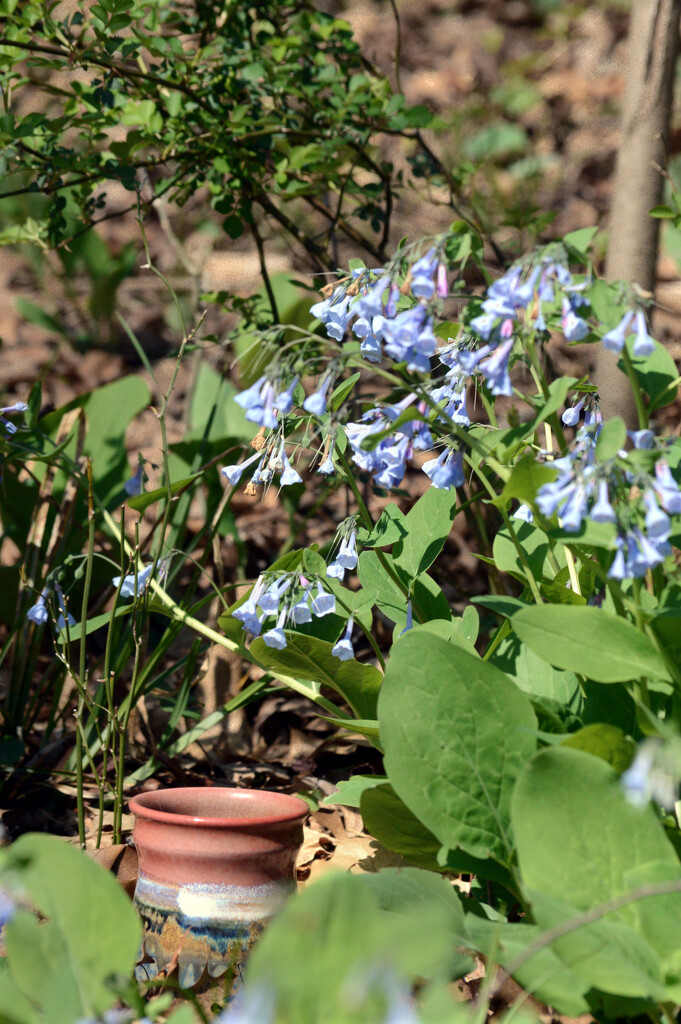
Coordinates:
633 243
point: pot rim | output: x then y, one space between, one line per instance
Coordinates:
293 808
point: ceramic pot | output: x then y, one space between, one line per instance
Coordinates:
214 866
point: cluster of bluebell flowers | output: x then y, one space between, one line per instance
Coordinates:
346 557
638 505
387 459
633 323
135 583
272 459
39 614
369 306
290 598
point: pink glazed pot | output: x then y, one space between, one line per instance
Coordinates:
214 866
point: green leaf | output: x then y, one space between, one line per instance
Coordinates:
109 409
306 657
451 630
389 820
580 239
325 939
612 439
403 889
534 544
35 314
588 640
605 741
428 525
657 375
340 393
390 528
496 141
445 755
527 476
213 413
501 604
15 1008
391 600
141 502
544 975
350 790
661 212
91 931
561 802
362 726
93 624
534 676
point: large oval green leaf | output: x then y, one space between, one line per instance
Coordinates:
588 640
580 845
456 732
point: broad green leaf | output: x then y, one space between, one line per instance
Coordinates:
428 525
608 302
590 534
451 630
545 975
340 393
533 675
306 657
657 374
93 624
109 409
391 599
588 640
15 1007
327 936
213 413
362 726
527 476
534 544
501 604
606 954
389 820
91 930
562 801
445 755
35 314
390 528
403 889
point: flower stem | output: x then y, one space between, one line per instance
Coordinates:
639 401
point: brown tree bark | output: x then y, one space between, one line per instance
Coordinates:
633 243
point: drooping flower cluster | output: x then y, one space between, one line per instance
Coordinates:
387 459
271 459
611 491
136 583
370 308
633 322
287 598
346 556
39 614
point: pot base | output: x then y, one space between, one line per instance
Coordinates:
203 927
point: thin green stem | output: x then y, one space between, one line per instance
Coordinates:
639 401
